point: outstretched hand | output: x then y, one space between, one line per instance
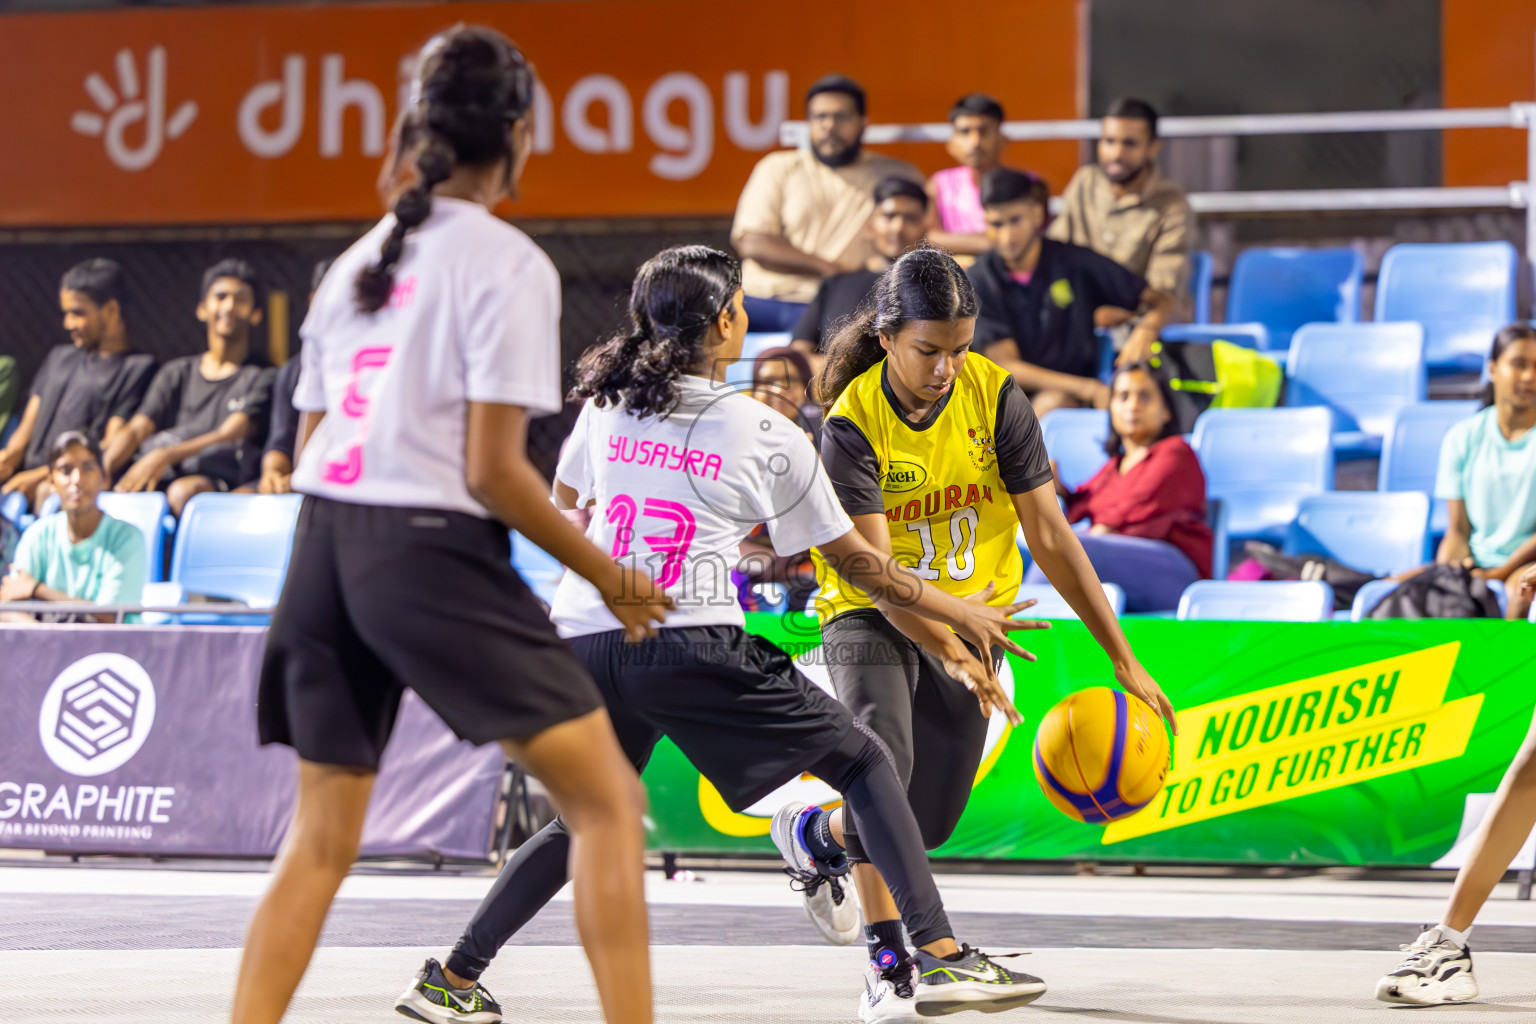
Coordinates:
982 682
988 627
1135 680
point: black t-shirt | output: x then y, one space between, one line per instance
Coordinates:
184 402
80 390
838 298
285 419
1022 462
1051 318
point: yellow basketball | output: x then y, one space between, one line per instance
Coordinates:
1100 755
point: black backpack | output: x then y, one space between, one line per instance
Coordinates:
1440 592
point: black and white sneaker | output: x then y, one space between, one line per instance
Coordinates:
890 990
974 982
829 902
431 999
1435 971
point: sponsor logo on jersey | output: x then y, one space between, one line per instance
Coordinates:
904 476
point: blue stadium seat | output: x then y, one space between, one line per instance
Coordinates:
235 546
538 568
14 507
1053 606
148 512
1264 601
740 372
1374 532
1262 462
1364 373
1255 336
1462 292
1074 438
1410 455
1201 271
1285 288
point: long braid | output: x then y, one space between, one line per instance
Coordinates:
434 163
471 87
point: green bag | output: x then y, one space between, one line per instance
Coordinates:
1215 375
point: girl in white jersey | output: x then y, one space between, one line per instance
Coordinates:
427 347
677 469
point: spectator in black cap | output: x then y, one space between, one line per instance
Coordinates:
802 214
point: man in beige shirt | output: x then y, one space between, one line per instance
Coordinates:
1123 208
802 213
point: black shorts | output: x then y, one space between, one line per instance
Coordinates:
381 598
928 719
734 704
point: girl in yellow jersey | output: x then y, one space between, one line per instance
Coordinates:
937 457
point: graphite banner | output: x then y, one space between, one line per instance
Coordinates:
1315 743
142 740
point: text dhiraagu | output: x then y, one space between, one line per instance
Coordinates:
1307 737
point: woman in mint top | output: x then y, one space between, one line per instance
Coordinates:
79 553
1487 473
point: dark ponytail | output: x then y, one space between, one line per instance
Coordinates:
677 295
471 85
1506 337
924 284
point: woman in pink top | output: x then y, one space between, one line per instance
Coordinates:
955 219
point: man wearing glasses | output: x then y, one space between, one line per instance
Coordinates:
801 216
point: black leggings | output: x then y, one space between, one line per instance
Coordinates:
932 724
860 768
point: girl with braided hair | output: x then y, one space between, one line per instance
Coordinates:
428 346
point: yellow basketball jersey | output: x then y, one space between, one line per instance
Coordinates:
950 517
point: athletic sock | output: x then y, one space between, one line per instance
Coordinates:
954 957
884 935
818 836
1460 938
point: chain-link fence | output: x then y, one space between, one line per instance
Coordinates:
597 261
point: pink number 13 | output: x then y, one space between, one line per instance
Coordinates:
622 511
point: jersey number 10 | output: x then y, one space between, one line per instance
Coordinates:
959 558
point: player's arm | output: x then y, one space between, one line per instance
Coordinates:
500 477
862 556
1060 556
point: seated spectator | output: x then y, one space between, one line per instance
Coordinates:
901 207
91 385
1487 473
802 213
1123 208
1039 299
1147 503
79 553
956 220
200 426
781 378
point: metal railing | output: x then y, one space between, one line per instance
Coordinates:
122 610
1516 195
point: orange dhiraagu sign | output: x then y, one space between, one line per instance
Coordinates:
1489 60
647 107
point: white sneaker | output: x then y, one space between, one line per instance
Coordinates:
829 903
890 993
1435 971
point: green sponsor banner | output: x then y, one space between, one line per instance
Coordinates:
1306 743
